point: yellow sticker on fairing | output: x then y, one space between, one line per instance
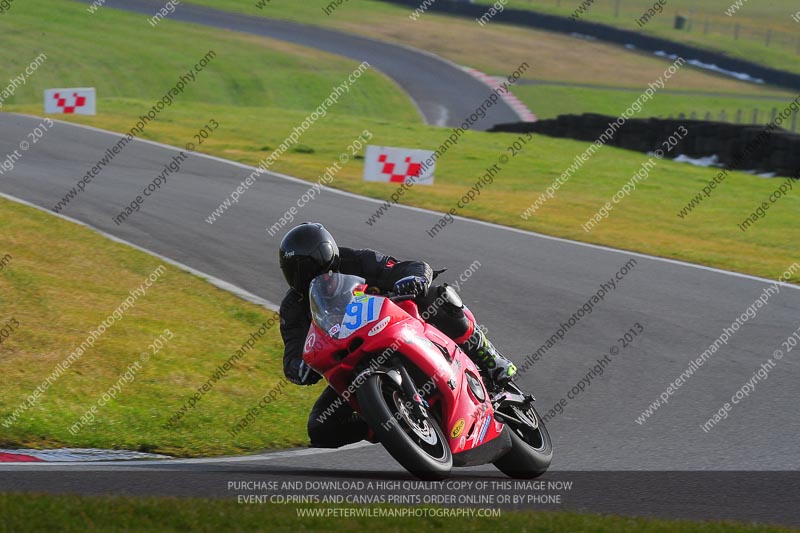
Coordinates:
457 429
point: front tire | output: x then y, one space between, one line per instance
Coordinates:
531 449
421 448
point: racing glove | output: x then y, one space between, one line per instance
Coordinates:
299 373
411 285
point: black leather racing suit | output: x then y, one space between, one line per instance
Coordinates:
332 424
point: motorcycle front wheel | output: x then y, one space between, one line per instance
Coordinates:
418 445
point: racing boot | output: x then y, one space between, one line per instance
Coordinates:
499 369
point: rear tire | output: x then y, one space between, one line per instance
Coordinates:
422 449
531 449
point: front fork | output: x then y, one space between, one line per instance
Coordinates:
419 407
398 373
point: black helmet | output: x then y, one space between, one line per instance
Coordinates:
307 251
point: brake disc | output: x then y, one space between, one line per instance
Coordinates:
423 431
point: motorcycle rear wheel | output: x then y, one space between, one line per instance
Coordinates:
421 448
531 449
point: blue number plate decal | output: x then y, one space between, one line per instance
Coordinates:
360 312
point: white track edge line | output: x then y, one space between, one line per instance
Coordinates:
217 282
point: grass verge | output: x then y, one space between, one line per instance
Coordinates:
552 100
755 20
62 282
81 513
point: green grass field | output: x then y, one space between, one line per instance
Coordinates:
20 512
755 20
64 281
127 58
551 100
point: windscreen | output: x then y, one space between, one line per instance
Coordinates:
339 305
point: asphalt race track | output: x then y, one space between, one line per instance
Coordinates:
429 80
525 286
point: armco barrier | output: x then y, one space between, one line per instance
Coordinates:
742 147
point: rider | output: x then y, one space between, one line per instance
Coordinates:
307 251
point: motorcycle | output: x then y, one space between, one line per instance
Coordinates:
421 395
